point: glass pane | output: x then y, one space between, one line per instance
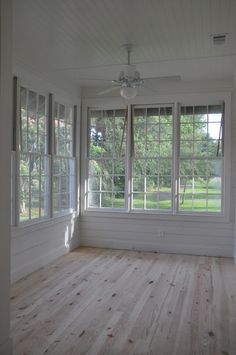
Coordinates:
138 201
119 200
153 115
138 183
152 201
151 183
106 199
64 201
140 131
32 105
35 202
94 199
106 183
119 167
214 203
119 183
94 183
56 203
139 167
24 198
139 115
42 107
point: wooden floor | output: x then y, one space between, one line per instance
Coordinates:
96 301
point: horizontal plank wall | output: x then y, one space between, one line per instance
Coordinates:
33 246
200 238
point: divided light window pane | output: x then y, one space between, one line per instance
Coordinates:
107 158
34 163
64 177
63 124
34 186
152 139
201 158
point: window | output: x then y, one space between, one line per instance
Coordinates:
107 158
64 190
152 134
156 160
33 160
43 163
201 158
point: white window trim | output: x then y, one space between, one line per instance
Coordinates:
40 90
177 99
52 100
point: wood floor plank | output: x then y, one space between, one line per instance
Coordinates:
100 301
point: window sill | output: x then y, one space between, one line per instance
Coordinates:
41 223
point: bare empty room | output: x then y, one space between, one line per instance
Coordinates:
117 194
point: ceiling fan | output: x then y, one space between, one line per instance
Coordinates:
129 80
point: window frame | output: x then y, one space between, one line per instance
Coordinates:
49 153
132 157
198 158
86 175
16 151
177 99
54 99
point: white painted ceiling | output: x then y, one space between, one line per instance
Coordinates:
79 39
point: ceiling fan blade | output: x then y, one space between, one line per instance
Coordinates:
108 90
170 78
98 79
90 67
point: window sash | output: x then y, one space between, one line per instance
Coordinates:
64 185
112 196
37 195
156 124
200 187
63 199
29 193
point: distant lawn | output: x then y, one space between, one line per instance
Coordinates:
200 202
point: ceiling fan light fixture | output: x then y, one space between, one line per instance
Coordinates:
128 92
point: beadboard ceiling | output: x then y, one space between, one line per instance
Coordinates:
79 39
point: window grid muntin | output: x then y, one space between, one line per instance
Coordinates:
25 146
115 157
63 140
158 156
65 155
207 158
31 178
29 116
69 192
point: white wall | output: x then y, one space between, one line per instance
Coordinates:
5 141
33 246
36 245
177 234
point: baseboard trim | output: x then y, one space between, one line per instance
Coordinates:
6 347
160 247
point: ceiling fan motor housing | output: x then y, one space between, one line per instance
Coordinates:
129 77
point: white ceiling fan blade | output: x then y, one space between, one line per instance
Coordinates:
93 79
108 90
171 78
